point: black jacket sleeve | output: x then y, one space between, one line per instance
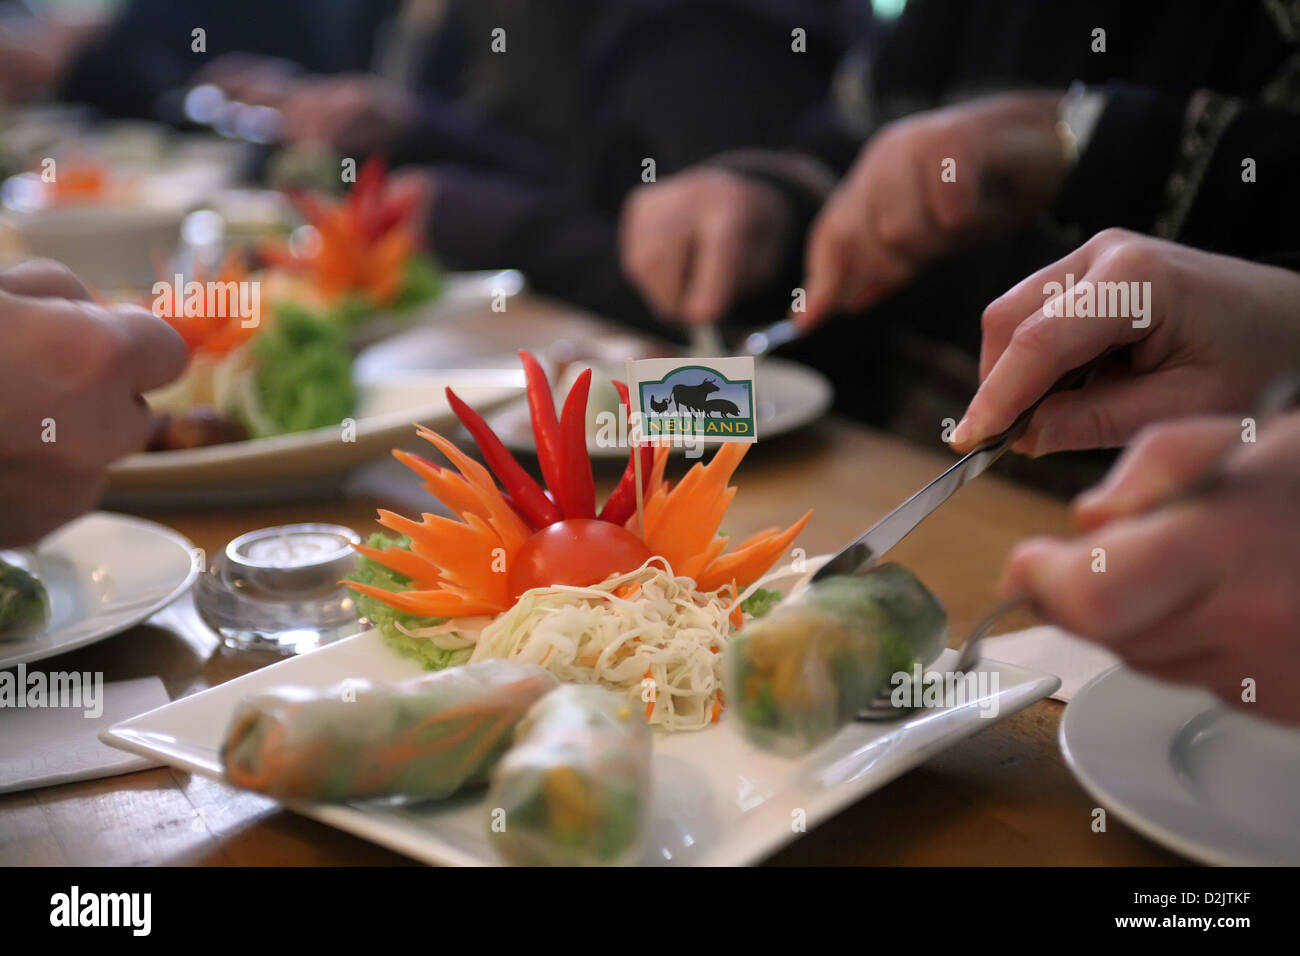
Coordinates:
447 131
1208 170
678 81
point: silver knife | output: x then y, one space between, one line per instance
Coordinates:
896 525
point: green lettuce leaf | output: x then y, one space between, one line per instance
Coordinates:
421 282
760 602
386 619
349 310
304 375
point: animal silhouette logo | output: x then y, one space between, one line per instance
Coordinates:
694 397
722 407
714 401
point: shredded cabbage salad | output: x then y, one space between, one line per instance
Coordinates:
646 633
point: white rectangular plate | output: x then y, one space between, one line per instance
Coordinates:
718 800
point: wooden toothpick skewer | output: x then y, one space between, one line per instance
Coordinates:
640 495
636 456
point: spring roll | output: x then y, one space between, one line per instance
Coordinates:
421 739
24 603
575 788
794 677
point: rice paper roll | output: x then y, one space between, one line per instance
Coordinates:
24 603
421 739
794 677
575 788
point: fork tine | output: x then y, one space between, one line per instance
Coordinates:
970 647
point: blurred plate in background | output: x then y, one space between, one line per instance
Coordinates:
306 463
788 396
109 247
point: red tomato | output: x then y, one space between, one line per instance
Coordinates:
576 551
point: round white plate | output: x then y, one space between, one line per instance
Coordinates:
302 462
1211 783
462 292
789 396
104 573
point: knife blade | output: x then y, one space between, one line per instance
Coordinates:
895 526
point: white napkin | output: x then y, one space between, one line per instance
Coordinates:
1054 651
42 746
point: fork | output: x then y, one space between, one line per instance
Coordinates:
763 340
707 340
1279 393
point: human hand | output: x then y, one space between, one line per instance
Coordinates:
696 241
923 186
71 375
35 51
251 77
1212 330
352 112
1198 591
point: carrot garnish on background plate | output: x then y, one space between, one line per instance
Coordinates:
364 241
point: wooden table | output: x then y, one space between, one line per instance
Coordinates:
1004 796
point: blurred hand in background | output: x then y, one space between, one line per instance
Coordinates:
71 376
1199 591
250 77
34 52
350 112
1216 329
897 210
353 112
697 241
